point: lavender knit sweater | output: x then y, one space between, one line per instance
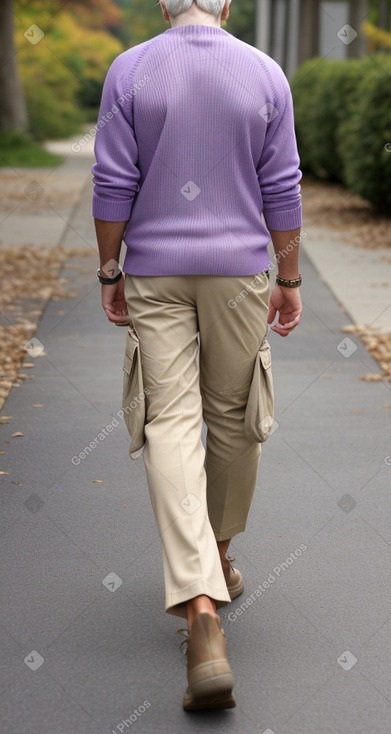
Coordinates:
196 151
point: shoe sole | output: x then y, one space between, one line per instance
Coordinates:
211 693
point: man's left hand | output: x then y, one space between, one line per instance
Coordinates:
287 303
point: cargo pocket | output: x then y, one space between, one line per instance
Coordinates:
259 414
133 395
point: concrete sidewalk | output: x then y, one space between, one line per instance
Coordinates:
86 644
360 279
37 203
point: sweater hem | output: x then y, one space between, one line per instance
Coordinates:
161 265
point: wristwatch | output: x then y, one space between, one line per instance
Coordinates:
109 281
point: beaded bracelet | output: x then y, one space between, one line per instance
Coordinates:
294 283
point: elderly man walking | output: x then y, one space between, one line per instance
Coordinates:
196 170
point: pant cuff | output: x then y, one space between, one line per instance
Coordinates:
228 534
176 602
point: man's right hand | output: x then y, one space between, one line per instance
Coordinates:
114 303
287 303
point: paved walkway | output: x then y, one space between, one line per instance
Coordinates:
360 279
86 644
37 203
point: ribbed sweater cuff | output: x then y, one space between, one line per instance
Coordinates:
111 210
284 221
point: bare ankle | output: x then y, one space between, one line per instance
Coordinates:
222 546
199 605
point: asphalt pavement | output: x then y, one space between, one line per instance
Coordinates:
87 646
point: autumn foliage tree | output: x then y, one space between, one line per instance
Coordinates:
62 73
96 13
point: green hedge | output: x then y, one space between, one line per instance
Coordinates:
343 123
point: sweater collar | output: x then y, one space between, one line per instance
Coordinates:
197 28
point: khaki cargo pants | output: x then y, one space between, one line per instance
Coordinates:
198 336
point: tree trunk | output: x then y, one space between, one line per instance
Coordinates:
13 114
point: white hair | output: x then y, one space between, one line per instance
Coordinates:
175 7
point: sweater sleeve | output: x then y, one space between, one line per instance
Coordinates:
115 173
278 170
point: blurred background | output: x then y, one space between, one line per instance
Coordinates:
54 56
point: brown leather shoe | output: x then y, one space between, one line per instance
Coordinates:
210 680
233 578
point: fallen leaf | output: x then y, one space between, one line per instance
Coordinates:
37 405
4 472
43 266
5 418
98 481
373 378
378 344
2 452
17 484
17 434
